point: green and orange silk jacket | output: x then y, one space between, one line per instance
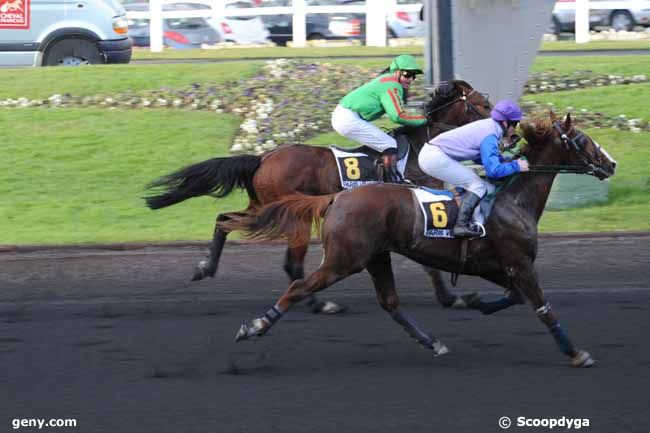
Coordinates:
382 95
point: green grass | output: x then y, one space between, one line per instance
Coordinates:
106 79
631 100
77 175
628 204
615 65
277 52
595 45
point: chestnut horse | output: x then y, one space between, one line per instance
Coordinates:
362 226
309 170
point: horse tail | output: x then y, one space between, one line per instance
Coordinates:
290 218
216 177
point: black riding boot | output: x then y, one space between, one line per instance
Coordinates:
462 228
388 168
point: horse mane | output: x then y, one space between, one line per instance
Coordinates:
537 130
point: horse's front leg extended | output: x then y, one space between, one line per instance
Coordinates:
381 271
526 281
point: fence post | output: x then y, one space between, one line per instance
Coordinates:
299 23
376 23
155 26
582 21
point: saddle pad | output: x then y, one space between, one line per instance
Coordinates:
355 168
439 211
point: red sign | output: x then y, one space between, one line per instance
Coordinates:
14 14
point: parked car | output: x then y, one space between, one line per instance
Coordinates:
240 30
179 33
623 18
406 24
318 26
52 32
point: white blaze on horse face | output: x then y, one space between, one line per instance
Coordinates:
602 150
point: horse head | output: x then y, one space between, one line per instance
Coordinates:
456 103
557 145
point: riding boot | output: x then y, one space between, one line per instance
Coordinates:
462 228
389 172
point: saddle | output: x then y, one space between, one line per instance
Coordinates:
403 144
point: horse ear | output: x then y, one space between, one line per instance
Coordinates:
552 115
567 122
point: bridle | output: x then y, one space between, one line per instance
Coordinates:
575 144
469 108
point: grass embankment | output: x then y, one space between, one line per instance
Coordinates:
108 79
77 175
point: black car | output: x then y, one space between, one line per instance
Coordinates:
341 26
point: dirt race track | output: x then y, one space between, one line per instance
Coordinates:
122 341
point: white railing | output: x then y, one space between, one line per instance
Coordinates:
376 15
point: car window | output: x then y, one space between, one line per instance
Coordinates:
240 5
138 24
186 23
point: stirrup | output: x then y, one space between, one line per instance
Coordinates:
481 227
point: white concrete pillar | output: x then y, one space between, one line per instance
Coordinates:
299 23
582 21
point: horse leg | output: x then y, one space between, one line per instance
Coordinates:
208 268
381 271
298 290
444 296
510 298
526 281
294 267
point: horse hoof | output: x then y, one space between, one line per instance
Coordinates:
472 301
582 359
257 328
242 334
439 348
329 308
200 271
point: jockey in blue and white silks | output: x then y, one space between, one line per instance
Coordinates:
479 142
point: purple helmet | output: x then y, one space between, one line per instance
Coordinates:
506 110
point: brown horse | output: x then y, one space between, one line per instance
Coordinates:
309 170
362 226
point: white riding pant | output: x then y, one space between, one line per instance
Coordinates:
436 163
350 125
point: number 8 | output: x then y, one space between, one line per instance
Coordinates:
352 168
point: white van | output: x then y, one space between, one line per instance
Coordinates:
63 32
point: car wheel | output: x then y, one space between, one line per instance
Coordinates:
72 52
622 20
315 37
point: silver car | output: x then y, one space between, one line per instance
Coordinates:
621 18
